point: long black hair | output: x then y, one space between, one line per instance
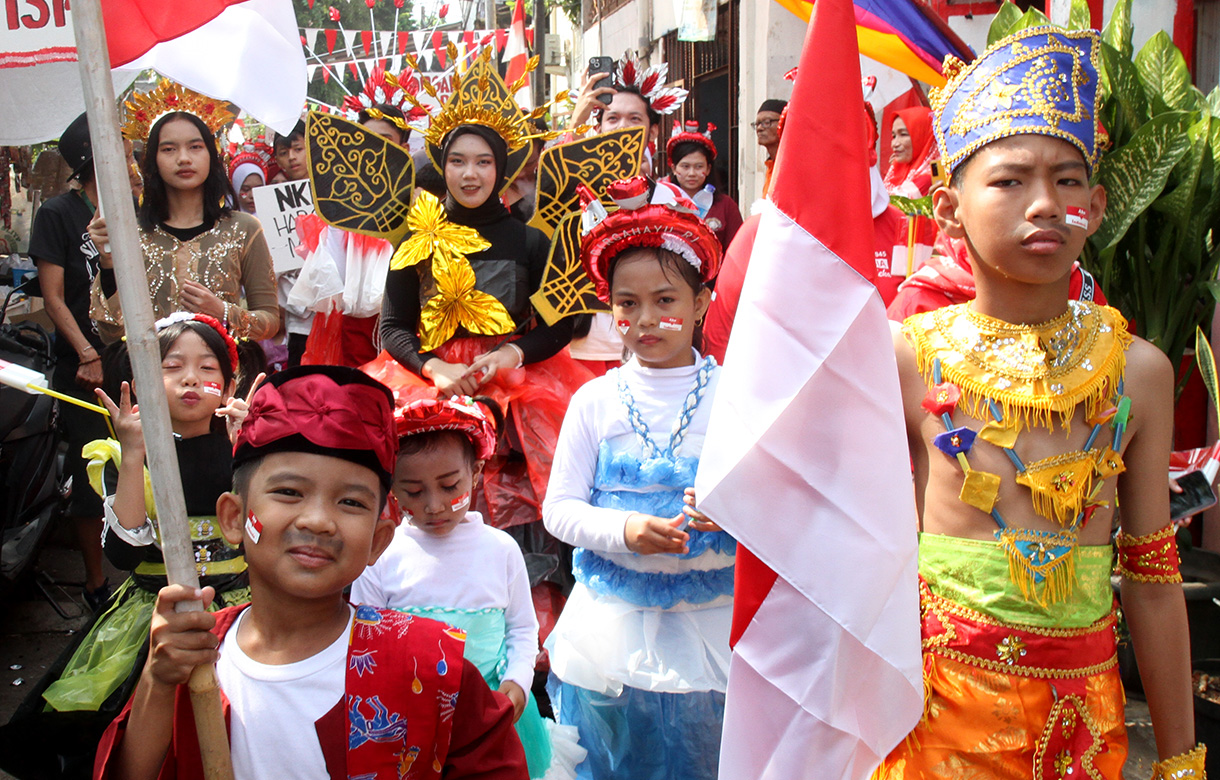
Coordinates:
217 189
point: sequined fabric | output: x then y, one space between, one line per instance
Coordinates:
231 256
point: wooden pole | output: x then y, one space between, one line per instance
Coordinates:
114 190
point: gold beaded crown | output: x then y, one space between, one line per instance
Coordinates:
1041 80
480 97
145 110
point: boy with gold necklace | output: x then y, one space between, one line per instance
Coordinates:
1030 418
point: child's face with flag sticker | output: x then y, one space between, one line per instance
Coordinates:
659 307
434 486
1024 207
310 523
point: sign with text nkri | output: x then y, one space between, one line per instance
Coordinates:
278 207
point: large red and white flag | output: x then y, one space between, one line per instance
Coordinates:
516 51
245 51
806 459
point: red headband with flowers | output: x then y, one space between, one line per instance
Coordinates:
211 322
690 134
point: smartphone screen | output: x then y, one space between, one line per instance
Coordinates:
1196 496
602 65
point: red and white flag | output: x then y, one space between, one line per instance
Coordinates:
806 461
245 51
516 51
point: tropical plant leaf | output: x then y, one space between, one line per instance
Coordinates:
1179 204
1213 101
1207 366
1125 85
914 207
1119 30
1079 17
1164 72
1008 15
1135 174
1031 18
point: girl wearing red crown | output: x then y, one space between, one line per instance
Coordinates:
691 155
198 363
640 654
199 254
446 564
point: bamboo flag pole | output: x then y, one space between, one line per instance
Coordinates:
114 188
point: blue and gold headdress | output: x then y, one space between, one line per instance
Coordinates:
1040 80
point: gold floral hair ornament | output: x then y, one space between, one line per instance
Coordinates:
480 97
1042 80
144 110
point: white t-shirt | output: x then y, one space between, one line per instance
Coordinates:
273 709
474 566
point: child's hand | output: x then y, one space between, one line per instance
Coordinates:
126 420
650 535
236 409
485 367
516 696
451 379
180 641
698 520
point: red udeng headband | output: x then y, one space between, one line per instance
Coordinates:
353 421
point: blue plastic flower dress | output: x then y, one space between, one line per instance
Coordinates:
640 654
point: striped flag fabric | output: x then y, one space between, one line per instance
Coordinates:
806 462
906 35
516 52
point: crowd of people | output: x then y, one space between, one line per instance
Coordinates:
375 522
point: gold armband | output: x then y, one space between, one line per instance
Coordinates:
1151 558
1188 766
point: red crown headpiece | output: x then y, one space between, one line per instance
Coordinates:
668 220
255 152
459 413
385 89
211 322
690 134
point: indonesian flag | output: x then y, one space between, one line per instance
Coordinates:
245 51
806 459
517 54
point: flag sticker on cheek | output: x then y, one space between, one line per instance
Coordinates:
461 502
623 326
212 388
254 529
1077 217
671 323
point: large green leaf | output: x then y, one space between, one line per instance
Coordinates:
1031 18
1179 204
1213 102
1126 87
1008 15
1164 72
918 207
1118 31
1135 174
1079 17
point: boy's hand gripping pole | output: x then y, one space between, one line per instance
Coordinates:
114 188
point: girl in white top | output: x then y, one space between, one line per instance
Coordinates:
640 654
445 563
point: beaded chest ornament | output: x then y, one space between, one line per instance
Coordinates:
1021 376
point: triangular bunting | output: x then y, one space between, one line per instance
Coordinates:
468 37
501 37
325 74
403 38
349 37
366 41
355 71
396 64
420 39
310 72
386 39
331 35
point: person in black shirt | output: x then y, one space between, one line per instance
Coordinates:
67 262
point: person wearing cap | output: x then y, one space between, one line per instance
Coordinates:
312 685
766 126
67 262
1030 417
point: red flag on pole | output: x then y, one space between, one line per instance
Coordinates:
825 675
517 54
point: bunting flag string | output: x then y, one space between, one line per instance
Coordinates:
382 42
